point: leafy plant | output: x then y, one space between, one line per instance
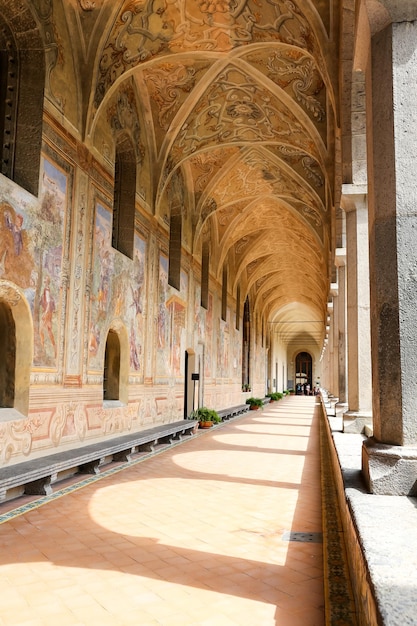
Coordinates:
275 395
255 402
203 414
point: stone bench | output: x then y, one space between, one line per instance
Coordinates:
232 411
36 475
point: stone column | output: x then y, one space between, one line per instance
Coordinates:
334 339
390 457
358 417
340 262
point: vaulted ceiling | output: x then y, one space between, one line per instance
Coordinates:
234 109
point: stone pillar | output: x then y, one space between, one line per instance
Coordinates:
358 417
340 262
329 348
390 457
334 339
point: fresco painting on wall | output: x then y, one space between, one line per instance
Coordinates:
31 235
117 285
172 311
47 241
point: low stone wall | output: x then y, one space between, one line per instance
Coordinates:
380 536
366 610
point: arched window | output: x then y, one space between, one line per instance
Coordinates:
123 230
238 307
246 345
7 356
111 377
22 78
205 264
175 235
224 294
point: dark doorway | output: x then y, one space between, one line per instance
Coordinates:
8 356
304 373
111 375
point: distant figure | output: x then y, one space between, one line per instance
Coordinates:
307 390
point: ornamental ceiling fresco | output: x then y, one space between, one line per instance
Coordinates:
234 99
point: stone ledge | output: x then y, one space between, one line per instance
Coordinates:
381 529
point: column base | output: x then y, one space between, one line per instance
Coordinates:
357 422
389 470
341 405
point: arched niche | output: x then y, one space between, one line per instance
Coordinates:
116 365
16 341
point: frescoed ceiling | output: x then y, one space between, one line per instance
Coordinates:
238 100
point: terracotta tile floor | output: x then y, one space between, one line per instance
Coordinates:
196 535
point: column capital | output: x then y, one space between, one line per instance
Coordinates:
353 196
340 257
381 13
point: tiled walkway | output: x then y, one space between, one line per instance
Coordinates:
222 530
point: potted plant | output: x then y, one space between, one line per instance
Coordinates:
255 403
274 396
246 387
206 417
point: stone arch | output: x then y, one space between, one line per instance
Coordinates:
17 347
22 80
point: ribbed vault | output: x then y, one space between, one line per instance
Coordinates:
233 109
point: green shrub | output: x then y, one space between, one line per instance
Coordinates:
203 414
255 402
275 395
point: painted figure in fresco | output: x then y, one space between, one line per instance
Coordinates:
105 271
15 228
134 356
94 340
48 309
30 292
136 300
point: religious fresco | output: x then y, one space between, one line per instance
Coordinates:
171 322
118 286
31 248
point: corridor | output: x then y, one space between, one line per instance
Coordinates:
222 530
